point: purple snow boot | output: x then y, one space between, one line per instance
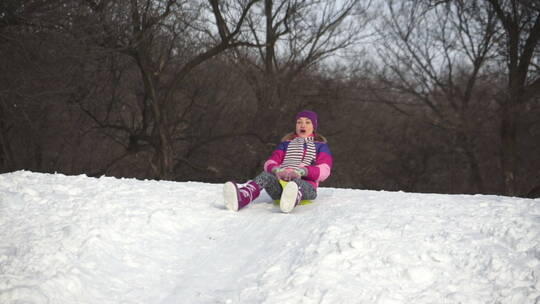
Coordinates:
237 197
290 198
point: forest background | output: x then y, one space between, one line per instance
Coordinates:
420 96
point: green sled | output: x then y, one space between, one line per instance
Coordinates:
302 202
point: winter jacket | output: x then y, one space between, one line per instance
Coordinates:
319 169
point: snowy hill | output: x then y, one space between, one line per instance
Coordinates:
74 239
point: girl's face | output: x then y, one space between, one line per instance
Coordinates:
304 127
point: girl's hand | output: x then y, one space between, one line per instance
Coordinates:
286 174
302 171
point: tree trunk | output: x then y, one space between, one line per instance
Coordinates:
268 103
508 152
476 176
521 43
164 157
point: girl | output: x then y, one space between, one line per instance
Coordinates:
302 158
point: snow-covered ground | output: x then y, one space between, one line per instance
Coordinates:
74 239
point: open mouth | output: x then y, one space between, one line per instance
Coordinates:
303 131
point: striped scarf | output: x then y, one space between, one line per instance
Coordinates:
295 156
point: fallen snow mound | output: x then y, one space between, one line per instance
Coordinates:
75 239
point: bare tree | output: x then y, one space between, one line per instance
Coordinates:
520 20
166 40
433 57
36 68
290 38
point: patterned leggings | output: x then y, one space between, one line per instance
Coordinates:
271 184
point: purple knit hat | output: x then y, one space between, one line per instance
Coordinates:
308 114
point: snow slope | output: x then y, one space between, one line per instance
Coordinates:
74 239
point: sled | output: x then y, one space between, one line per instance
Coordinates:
302 202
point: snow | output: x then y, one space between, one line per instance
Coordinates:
75 239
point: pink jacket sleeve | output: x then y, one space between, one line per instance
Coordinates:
274 160
322 167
